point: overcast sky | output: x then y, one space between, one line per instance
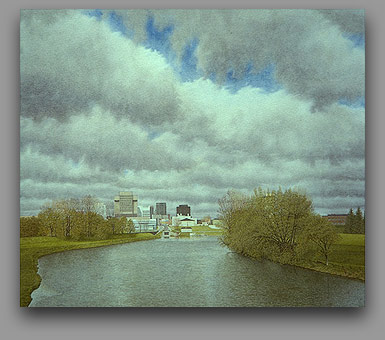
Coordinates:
180 106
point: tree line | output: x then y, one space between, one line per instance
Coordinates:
276 225
355 222
76 219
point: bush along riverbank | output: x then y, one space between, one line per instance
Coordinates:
32 248
282 227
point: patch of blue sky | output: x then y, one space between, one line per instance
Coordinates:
117 25
355 103
189 71
357 39
153 134
263 79
97 13
159 41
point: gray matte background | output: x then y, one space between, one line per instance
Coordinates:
167 323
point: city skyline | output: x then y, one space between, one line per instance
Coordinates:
182 106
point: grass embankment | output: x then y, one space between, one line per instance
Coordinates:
346 259
32 248
205 230
200 230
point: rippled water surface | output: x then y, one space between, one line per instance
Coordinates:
184 272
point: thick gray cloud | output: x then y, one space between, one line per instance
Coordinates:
312 58
349 20
100 140
74 62
102 114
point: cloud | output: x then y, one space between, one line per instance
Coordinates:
269 126
80 63
349 20
100 140
312 58
101 113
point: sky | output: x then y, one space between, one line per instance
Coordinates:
180 106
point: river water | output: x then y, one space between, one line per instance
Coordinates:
183 273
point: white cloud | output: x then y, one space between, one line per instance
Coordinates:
101 114
313 59
80 63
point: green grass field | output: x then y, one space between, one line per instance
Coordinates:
202 230
32 248
347 258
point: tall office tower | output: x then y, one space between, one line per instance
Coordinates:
151 210
160 209
126 204
183 210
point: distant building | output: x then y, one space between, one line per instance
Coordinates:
126 204
144 212
160 209
188 222
181 220
143 224
336 219
183 210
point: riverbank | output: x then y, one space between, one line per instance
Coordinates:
32 248
198 230
347 258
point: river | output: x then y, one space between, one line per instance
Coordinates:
183 273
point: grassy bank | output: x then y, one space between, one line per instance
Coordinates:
201 230
347 258
32 248
205 230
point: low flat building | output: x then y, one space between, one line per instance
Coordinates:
336 219
143 224
183 221
188 222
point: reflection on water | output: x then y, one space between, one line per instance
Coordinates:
184 272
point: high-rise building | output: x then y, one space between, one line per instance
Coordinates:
126 204
160 209
183 210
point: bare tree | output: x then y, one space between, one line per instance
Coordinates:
322 233
89 208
